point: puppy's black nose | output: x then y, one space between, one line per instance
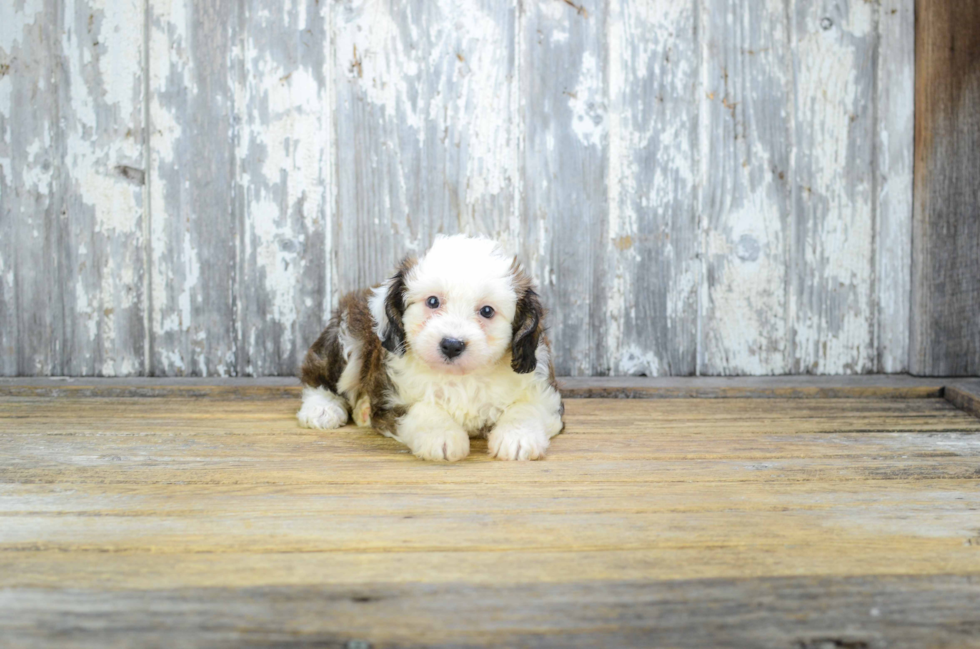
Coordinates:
452 347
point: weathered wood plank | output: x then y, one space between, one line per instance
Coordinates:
792 464
283 148
103 117
746 187
564 114
298 153
114 511
901 612
945 336
195 218
895 128
71 188
238 416
31 192
831 297
944 533
735 441
445 499
873 386
648 293
54 569
425 129
704 387
965 395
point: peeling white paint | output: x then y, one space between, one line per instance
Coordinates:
894 146
748 296
439 81
474 93
372 51
835 335
651 179
588 103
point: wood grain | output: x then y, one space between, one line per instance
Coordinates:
71 188
747 208
832 236
786 387
712 186
852 612
121 516
647 292
195 220
284 134
564 118
425 127
895 131
965 395
945 338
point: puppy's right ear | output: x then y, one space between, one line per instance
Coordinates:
388 308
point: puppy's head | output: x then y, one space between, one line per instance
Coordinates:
462 306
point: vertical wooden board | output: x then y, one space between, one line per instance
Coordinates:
831 254
102 115
71 188
564 95
283 109
648 298
193 221
746 186
945 326
425 140
31 186
895 97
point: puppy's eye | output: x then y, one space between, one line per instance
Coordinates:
487 312
432 302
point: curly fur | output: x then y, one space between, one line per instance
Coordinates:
382 357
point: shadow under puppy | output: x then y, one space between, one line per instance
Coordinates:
451 347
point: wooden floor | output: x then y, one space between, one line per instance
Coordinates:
216 521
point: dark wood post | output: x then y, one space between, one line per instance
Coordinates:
945 319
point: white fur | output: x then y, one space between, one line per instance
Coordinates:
322 409
348 382
449 401
376 304
478 390
431 434
465 274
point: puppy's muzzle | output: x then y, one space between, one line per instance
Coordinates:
452 347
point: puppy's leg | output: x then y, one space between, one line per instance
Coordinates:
524 430
322 409
331 368
431 434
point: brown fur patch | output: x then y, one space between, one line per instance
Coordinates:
395 308
528 324
325 360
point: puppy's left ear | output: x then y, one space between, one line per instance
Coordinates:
526 331
388 309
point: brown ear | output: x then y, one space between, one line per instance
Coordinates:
394 338
526 332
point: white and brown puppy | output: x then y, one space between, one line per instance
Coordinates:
451 347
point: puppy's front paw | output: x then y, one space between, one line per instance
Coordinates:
526 442
445 445
321 409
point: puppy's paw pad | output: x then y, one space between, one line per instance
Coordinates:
323 416
447 447
517 444
362 412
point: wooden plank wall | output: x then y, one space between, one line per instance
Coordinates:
945 335
701 186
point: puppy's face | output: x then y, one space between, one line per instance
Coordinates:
456 309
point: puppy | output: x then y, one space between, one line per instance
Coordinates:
451 347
